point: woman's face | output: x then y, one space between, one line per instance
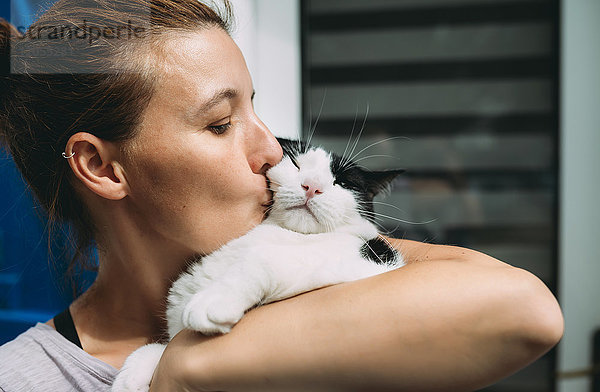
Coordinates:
196 168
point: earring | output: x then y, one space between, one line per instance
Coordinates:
69 156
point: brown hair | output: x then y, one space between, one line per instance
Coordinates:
83 66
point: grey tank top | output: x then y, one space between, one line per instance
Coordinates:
41 359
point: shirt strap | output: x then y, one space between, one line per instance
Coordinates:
63 322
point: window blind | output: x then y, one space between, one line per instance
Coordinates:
463 95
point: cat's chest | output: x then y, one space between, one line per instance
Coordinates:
282 242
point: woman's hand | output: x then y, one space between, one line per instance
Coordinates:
452 319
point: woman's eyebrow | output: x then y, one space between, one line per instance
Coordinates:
221 95
218 97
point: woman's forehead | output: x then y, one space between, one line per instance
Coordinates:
201 68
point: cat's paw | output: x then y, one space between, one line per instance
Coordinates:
211 312
138 369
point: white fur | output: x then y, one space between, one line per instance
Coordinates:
138 369
335 208
302 245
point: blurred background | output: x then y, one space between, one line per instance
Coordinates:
492 107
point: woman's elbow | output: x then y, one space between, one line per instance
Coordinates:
541 320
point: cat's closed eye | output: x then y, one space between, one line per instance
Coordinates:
339 182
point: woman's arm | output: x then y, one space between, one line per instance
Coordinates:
459 321
415 252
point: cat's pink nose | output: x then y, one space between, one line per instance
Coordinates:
311 190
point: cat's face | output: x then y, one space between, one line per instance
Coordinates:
316 192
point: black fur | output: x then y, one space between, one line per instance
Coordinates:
379 251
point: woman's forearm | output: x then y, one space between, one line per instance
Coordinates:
457 322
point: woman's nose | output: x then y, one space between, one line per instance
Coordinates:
265 151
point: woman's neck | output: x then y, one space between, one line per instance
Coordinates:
125 307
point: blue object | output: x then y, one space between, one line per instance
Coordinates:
30 289
5 9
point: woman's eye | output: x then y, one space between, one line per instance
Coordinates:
220 128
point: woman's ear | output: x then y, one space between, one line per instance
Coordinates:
94 163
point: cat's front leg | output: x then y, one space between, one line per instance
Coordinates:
138 369
219 306
211 311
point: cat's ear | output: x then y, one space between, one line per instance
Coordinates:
380 180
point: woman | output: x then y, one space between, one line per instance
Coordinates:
142 135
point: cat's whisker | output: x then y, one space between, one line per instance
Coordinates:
379 142
400 220
388 205
312 131
351 164
362 167
351 133
345 160
382 229
347 165
376 156
299 144
362 128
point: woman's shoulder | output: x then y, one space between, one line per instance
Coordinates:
40 359
23 347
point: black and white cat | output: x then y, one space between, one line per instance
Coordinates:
320 231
